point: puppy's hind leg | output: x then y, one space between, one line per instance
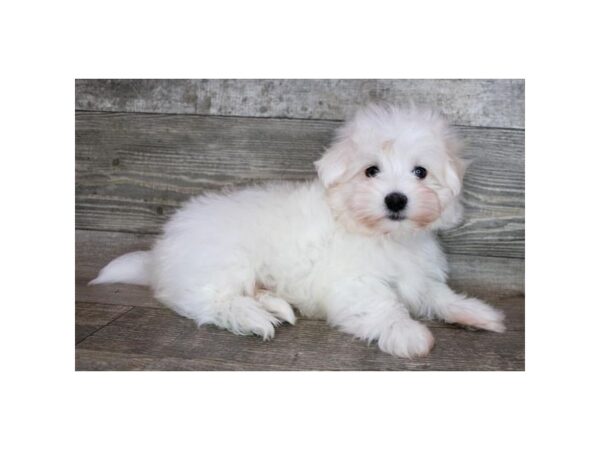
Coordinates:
225 308
217 289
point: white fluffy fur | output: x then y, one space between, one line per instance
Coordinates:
327 247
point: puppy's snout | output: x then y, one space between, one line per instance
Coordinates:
396 201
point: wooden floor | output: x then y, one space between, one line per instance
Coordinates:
118 337
144 146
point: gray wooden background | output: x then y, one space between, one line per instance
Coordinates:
144 146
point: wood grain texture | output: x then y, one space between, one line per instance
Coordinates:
90 317
134 170
489 103
158 339
485 277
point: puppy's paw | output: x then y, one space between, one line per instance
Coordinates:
277 306
407 339
246 316
475 313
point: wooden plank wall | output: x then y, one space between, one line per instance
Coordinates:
134 168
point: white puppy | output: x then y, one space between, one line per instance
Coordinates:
356 247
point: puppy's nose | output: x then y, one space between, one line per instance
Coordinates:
396 201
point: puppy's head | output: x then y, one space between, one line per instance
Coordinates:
392 169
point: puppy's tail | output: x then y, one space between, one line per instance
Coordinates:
131 268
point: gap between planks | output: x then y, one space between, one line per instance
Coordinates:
234 116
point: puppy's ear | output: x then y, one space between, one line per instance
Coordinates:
454 173
334 163
456 166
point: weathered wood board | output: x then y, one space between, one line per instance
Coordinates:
134 170
487 103
158 339
90 317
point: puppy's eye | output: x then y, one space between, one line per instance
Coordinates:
420 172
372 171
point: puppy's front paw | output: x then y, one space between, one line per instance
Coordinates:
407 339
475 313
